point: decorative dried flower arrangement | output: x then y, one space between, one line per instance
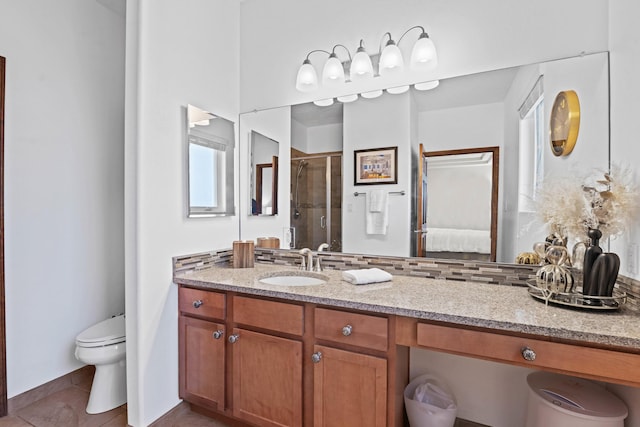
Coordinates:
573 204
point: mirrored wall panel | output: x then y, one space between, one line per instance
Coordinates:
210 145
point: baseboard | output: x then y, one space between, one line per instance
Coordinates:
79 377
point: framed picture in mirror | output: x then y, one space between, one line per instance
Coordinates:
376 166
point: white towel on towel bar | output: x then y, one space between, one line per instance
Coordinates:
366 275
377 212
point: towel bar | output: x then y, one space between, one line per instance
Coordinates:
401 193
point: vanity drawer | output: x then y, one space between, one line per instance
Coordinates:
350 328
272 315
201 303
566 358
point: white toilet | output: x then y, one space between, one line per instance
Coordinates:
104 346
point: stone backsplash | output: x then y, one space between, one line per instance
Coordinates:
476 271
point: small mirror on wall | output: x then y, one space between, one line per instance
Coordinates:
264 175
210 145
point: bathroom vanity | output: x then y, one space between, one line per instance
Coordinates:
337 351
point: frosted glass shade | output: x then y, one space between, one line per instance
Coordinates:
371 94
324 102
391 60
307 79
423 54
361 66
333 72
348 98
398 89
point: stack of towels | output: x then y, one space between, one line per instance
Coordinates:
367 275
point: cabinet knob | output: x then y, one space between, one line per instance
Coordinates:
234 338
528 354
346 331
218 334
316 357
197 303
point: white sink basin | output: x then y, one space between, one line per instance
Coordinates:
293 278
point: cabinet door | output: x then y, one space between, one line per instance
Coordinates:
349 389
267 379
202 350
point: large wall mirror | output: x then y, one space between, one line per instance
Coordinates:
263 179
210 145
507 109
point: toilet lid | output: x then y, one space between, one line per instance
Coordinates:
112 330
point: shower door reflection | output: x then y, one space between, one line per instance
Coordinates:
316 200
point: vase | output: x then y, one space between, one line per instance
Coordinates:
590 254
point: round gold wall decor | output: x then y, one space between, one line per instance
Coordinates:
564 123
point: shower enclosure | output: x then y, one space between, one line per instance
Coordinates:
316 201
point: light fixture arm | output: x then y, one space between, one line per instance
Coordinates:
333 51
424 33
390 41
314 51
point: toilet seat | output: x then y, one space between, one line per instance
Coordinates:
107 332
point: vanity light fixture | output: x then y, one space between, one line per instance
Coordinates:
427 85
360 67
398 89
371 94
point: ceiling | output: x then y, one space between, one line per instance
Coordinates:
474 89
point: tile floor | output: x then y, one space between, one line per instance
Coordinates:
66 408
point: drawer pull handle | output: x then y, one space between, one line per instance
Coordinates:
218 334
316 357
197 303
234 338
528 354
346 331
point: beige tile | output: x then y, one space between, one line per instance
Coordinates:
65 408
182 416
13 421
119 421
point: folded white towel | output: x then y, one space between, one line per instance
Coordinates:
377 212
377 200
367 275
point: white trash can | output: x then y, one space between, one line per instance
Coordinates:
561 400
432 406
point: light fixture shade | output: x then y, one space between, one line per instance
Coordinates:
371 94
391 59
348 98
333 72
423 54
427 85
398 89
307 79
324 102
361 66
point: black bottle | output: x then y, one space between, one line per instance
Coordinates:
590 255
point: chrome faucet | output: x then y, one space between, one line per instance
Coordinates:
308 263
321 248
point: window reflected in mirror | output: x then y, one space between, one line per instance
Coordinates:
264 174
210 140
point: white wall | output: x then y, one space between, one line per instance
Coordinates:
274 124
180 53
63 180
325 138
377 123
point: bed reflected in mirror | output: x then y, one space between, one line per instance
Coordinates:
459 201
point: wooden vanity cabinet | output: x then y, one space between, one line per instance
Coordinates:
352 380
267 366
202 347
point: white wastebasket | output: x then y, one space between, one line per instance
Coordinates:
561 400
423 414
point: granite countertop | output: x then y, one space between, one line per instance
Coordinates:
502 308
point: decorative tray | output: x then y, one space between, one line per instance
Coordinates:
577 300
